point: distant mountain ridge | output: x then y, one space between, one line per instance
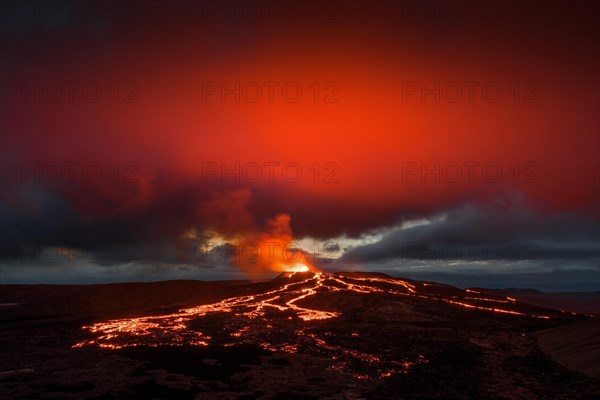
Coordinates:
579 302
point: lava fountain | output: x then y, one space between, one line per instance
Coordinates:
298 267
271 250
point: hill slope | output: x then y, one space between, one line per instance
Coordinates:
299 336
576 346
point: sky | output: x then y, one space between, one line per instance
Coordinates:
439 140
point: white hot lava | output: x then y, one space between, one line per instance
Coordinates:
298 267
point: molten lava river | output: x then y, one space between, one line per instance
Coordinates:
281 319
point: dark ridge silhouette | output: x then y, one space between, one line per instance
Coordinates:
300 335
578 302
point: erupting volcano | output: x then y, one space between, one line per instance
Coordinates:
270 250
270 200
365 334
294 313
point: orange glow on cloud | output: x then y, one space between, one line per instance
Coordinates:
270 250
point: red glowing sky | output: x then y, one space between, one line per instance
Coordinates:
373 136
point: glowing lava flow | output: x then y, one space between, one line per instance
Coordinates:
267 318
271 299
172 328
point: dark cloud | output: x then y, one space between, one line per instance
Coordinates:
487 233
164 217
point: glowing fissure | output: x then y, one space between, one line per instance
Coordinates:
251 315
483 308
488 299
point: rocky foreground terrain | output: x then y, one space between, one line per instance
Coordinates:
300 336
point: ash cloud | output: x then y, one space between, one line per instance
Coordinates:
487 233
